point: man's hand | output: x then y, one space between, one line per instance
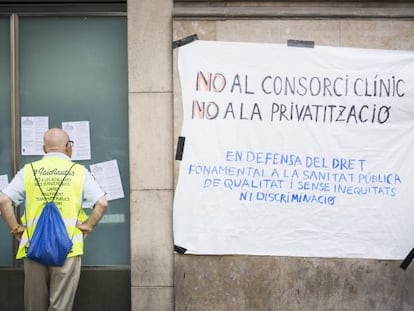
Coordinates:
7 212
85 228
18 232
96 215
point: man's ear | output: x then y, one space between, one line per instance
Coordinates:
44 149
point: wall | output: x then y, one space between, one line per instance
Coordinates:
287 283
151 159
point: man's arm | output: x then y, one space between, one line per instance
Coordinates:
98 212
7 212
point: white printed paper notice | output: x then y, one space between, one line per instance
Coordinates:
3 181
108 177
79 133
33 129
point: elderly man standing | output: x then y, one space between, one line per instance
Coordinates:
53 287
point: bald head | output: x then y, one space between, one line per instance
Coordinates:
56 140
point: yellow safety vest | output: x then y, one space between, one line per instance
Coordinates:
50 172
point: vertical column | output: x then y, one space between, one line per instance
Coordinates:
14 111
151 153
14 94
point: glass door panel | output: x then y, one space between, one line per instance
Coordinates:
75 69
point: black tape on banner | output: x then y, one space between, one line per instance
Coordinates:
406 262
180 148
184 41
179 249
301 43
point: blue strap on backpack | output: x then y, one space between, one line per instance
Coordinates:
50 243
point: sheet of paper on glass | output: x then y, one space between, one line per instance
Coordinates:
78 132
32 131
295 151
109 178
4 180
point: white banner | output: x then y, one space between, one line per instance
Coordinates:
295 151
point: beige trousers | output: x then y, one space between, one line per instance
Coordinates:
49 288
